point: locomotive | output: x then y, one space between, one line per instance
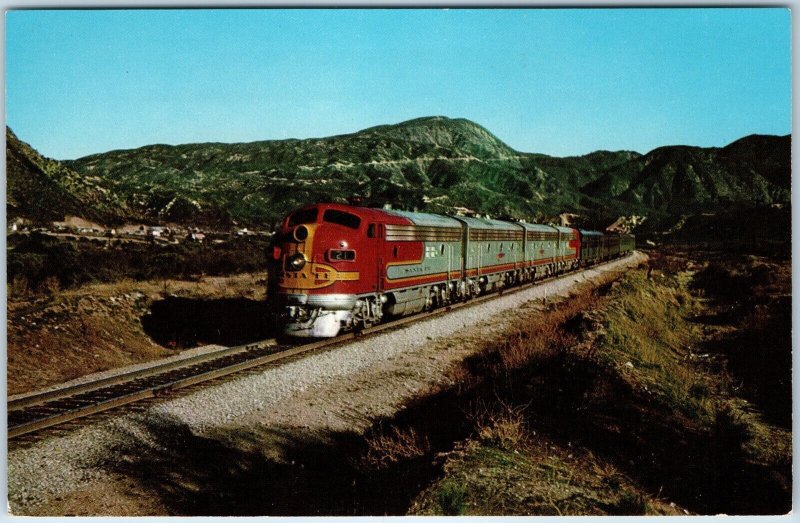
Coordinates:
339 267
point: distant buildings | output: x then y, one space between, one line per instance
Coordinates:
73 227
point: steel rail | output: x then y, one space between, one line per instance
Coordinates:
66 392
213 374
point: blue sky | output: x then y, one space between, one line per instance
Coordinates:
556 81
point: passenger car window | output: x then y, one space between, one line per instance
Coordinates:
341 218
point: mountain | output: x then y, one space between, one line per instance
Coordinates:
754 170
42 189
434 164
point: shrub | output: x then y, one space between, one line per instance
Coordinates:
452 498
27 265
385 450
19 287
504 429
39 257
49 285
729 432
629 504
718 281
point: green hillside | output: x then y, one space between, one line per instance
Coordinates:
753 170
41 189
435 164
432 163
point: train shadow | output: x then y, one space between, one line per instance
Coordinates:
254 471
187 322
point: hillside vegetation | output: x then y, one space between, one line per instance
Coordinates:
435 164
41 189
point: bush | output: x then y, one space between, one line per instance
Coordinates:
504 429
19 287
629 504
729 432
38 258
452 498
26 265
49 286
384 450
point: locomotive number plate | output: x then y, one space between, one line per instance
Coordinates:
341 255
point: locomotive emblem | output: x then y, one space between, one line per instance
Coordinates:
315 276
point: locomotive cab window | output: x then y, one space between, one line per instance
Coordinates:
341 218
303 216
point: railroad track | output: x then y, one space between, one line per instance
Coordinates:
37 412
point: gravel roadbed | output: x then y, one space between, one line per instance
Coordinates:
341 390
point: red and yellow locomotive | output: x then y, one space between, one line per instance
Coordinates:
339 267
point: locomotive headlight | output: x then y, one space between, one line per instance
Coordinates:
301 233
297 262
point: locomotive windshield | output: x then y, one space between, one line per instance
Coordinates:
341 218
303 216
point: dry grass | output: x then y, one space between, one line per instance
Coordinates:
540 479
503 426
649 338
387 448
544 334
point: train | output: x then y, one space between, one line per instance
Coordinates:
338 268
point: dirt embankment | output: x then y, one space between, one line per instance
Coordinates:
668 395
70 333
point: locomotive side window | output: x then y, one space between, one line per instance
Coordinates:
303 216
342 218
372 231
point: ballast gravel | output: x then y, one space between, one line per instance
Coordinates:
346 389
